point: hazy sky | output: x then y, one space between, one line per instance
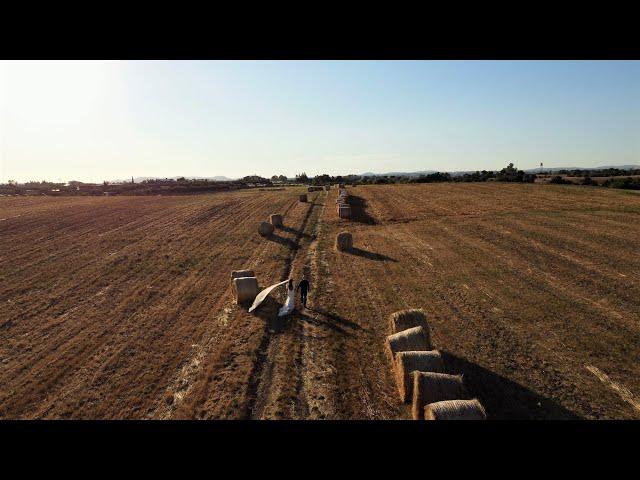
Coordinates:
112 120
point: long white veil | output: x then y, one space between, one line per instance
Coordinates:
264 294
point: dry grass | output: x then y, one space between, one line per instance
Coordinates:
114 306
521 284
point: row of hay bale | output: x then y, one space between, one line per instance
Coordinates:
245 285
342 203
315 189
267 228
420 372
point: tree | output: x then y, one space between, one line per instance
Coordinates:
302 178
323 179
283 178
510 174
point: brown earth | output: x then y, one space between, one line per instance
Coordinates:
122 308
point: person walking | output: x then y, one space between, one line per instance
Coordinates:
290 304
303 286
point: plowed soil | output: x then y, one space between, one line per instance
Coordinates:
122 307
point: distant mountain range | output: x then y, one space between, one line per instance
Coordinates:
530 170
555 169
399 174
218 178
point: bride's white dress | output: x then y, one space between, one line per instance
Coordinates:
290 304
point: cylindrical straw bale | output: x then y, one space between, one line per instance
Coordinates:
408 362
435 387
246 289
455 410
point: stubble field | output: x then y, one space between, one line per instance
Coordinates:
122 308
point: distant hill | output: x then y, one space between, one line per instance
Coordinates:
219 178
530 170
555 169
398 174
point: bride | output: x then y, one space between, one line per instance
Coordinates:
290 304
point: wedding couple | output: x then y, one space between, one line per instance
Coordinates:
290 304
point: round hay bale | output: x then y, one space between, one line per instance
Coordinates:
265 229
409 362
410 340
303 197
242 273
413 317
276 219
310 189
455 410
327 187
344 241
344 211
246 289
431 387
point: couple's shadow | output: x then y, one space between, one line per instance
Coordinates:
268 311
326 319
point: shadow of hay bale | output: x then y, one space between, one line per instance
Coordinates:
378 257
287 242
359 210
293 231
502 398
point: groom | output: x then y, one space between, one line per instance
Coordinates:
303 286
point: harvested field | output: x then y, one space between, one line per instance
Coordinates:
122 307
111 307
526 287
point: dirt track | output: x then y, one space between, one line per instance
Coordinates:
121 307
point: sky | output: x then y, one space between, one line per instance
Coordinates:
107 120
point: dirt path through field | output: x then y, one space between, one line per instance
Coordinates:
322 365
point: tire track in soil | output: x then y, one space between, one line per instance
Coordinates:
261 391
183 380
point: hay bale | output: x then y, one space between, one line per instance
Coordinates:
246 289
265 229
276 219
310 189
410 340
344 211
344 241
303 197
431 387
327 187
455 410
413 317
408 362
242 273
